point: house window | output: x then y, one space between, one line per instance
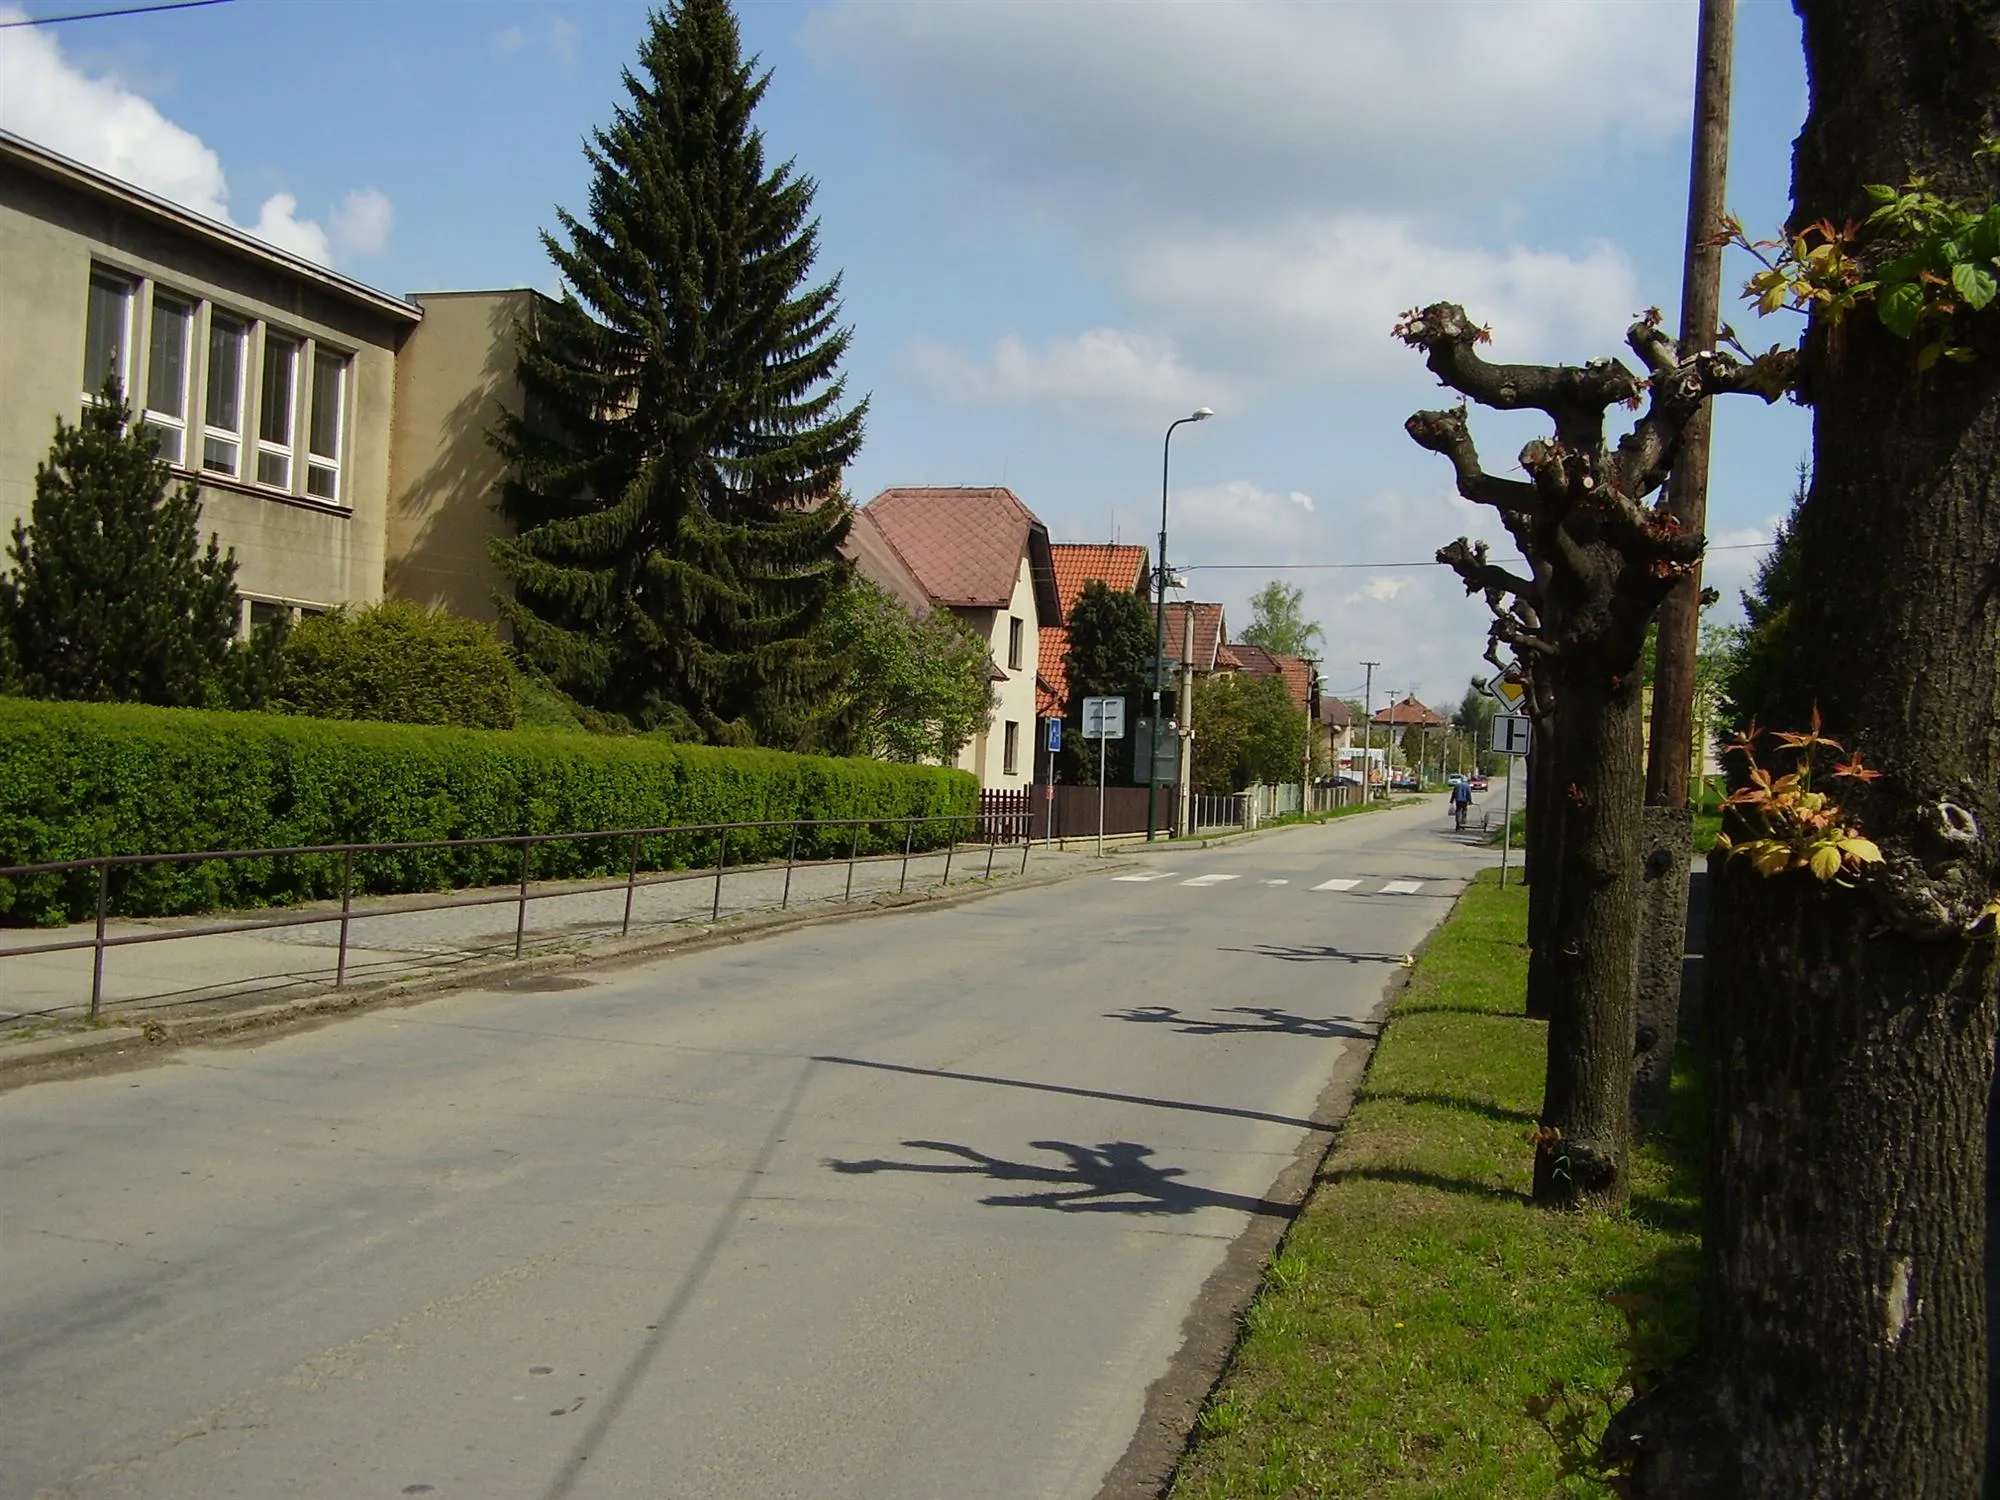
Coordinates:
329 392
275 411
1014 643
1010 747
107 333
222 413
166 406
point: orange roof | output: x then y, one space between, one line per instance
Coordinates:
1052 680
1296 670
964 545
1208 632
1409 711
1119 567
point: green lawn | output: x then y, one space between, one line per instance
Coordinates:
1420 1301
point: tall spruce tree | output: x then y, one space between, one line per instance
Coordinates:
112 596
676 465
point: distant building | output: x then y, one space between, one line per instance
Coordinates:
983 555
1121 569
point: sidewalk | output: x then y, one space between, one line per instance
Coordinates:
390 944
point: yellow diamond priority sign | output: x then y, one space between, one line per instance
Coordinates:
1509 689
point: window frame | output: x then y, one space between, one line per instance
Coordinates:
235 437
1010 748
331 464
155 418
103 275
285 452
1016 634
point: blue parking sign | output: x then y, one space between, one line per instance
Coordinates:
1055 737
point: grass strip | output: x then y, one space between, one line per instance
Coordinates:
1420 1300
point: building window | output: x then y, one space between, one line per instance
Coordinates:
1010 747
107 334
1014 643
166 405
329 401
275 411
222 412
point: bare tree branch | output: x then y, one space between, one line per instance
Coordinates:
1446 432
1574 396
1467 559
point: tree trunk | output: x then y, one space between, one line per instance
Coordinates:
1543 861
1666 836
1586 1103
1843 1340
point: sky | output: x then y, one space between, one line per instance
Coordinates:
1059 225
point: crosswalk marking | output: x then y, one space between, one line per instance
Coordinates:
1336 885
1208 880
1154 875
1402 887
1274 882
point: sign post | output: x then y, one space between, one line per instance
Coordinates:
1049 787
1511 734
1103 719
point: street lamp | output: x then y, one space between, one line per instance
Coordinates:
1200 414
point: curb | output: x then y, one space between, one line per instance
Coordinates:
152 1039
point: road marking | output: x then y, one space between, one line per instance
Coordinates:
1208 880
1274 882
1156 875
1336 885
1402 887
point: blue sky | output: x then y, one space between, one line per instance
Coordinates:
1060 225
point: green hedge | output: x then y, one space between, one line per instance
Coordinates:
78 780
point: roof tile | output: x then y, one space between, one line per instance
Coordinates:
964 545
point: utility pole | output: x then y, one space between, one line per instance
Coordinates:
1671 749
1368 729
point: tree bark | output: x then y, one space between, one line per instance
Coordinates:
1582 1156
1843 1346
1664 845
1544 840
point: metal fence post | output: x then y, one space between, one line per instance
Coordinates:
852 850
97 960
721 859
346 904
950 848
992 844
909 833
791 855
1026 844
631 880
521 908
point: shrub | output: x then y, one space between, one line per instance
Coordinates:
398 663
78 780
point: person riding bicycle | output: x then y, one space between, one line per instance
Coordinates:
1461 802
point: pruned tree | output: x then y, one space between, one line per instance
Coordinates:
1600 558
1843 1345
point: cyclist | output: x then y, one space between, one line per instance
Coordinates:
1461 801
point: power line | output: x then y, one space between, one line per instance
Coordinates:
100 15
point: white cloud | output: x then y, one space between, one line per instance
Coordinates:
1235 101
1127 375
359 228
1301 499
556 38
101 122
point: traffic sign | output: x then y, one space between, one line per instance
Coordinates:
1104 718
1054 745
1508 688
1511 734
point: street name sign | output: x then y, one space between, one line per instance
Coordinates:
1104 718
1510 734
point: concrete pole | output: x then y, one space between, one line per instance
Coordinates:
1672 741
1368 729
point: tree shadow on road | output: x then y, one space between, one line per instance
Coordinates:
1293 953
1270 1020
1111 1177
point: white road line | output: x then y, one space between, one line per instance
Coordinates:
1336 885
1274 882
1208 880
1156 875
1402 887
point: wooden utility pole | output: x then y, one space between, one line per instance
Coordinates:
1670 753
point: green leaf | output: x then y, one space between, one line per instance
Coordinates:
1928 356
1900 307
1881 192
1983 242
1974 285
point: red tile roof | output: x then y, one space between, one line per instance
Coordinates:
964 545
1408 712
876 560
1118 567
1258 662
1209 629
1335 714
1052 678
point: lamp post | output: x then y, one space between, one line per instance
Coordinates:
1200 414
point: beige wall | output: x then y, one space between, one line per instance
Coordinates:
986 756
289 546
453 378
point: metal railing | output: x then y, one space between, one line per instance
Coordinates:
977 831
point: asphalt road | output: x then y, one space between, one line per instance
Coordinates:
913 1206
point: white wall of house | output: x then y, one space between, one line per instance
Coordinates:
1003 758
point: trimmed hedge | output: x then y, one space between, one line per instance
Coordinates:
78 780
397 662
